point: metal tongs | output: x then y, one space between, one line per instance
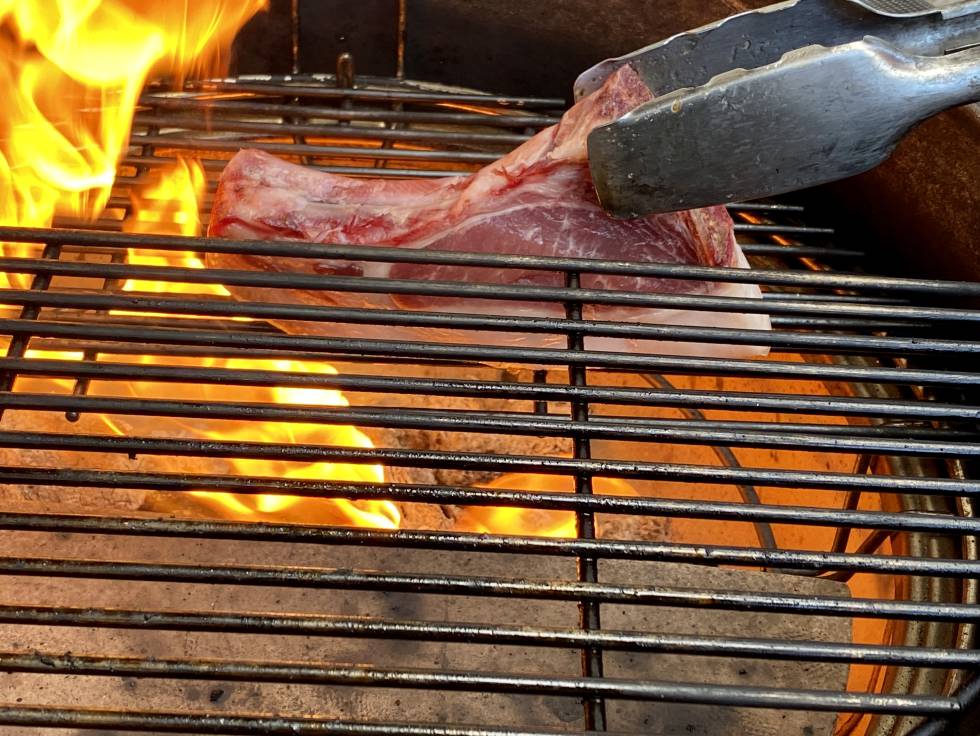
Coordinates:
790 96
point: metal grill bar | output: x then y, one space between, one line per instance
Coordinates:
305 149
247 724
891 341
692 554
610 640
938 523
217 164
323 674
675 472
809 437
494 587
772 306
585 523
799 341
360 114
809 279
816 405
333 347
378 95
504 140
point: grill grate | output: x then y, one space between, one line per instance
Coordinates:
838 461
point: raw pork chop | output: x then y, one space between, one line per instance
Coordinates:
537 200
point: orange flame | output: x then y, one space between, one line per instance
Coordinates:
71 72
377 514
534 522
166 202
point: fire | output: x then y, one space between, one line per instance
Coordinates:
377 514
71 72
167 202
535 522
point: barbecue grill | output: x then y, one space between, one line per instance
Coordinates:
784 545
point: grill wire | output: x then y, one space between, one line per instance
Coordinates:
890 352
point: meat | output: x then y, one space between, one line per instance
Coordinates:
537 200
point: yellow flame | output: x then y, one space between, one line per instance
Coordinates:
378 514
71 72
166 202
534 522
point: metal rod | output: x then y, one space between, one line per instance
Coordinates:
495 587
217 107
384 95
315 673
297 624
745 227
164 159
235 724
836 280
309 149
809 342
538 391
710 555
465 496
503 140
255 342
700 433
499 463
835 342
203 306
587 568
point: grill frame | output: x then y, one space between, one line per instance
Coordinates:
885 307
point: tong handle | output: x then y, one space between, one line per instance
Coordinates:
914 8
761 37
819 115
961 71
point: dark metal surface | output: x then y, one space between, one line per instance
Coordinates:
648 162
756 39
873 370
642 163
